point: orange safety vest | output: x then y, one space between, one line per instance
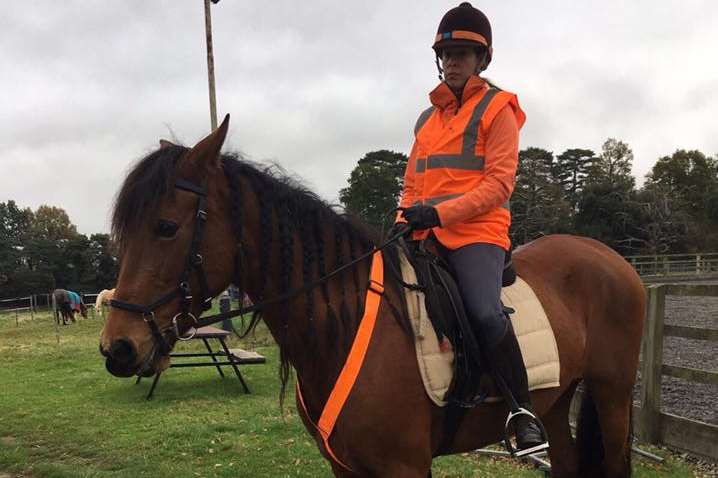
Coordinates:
449 159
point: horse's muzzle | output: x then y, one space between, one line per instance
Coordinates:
121 358
119 370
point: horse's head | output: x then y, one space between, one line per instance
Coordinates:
173 226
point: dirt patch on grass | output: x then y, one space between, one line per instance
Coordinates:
7 440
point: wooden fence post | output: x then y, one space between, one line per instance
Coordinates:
651 368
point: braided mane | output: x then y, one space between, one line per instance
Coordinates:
298 213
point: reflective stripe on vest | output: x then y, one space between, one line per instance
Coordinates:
422 119
467 160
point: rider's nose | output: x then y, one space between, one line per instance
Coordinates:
122 351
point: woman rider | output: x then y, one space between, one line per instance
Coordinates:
457 185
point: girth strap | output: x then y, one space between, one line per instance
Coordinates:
355 359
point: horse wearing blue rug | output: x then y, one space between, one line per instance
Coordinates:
67 303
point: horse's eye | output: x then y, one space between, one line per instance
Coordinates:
166 229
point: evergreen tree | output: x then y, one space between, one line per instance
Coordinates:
375 187
14 226
607 209
104 262
537 205
572 168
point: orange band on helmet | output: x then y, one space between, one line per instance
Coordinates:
461 35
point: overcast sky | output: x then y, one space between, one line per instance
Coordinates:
88 87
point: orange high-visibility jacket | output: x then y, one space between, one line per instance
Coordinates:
464 163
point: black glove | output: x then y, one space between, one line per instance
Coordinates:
399 228
421 217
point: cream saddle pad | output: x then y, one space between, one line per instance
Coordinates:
533 330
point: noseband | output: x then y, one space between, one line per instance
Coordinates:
194 261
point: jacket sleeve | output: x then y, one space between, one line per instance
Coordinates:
501 161
408 195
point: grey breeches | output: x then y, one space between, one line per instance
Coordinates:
478 269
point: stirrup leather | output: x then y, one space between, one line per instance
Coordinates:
514 450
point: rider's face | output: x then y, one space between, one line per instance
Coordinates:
459 63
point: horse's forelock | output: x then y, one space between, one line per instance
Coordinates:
142 189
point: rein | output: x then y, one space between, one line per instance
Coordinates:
195 261
255 308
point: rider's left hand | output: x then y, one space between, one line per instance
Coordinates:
421 217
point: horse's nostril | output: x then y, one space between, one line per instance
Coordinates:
103 352
123 351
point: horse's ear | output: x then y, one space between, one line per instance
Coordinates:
206 153
166 144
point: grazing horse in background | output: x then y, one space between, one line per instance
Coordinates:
191 220
103 298
67 303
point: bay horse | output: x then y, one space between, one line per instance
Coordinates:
67 303
257 228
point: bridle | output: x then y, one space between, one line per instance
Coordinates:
194 261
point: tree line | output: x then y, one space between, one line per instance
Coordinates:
41 250
579 192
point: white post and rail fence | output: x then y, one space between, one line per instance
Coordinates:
676 266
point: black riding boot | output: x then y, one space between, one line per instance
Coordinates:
506 360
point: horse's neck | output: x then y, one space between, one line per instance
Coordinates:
315 344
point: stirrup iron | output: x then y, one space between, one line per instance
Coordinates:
514 450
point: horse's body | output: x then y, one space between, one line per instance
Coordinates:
595 306
282 237
103 298
67 303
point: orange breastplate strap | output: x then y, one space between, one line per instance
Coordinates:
355 359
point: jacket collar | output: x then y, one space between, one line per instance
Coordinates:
443 98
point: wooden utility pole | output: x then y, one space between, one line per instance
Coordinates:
210 65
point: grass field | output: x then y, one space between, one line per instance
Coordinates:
63 415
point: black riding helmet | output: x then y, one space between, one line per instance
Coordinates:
464 26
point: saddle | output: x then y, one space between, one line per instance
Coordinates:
448 317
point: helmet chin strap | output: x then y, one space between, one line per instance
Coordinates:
483 64
438 67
